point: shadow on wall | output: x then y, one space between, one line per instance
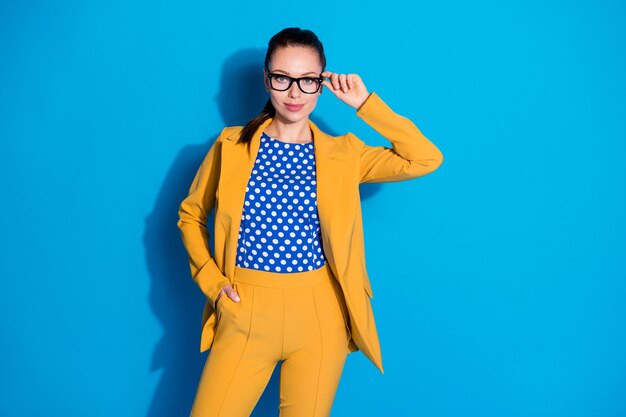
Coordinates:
175 299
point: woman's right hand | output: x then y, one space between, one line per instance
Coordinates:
230 291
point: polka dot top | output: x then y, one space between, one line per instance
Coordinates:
280 229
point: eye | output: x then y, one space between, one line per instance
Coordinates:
309 81
281 79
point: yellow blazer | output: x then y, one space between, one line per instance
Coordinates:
342 163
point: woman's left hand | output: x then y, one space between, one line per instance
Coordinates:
349 88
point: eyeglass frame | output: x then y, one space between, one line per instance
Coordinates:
291 80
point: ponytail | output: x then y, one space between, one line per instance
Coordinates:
252 126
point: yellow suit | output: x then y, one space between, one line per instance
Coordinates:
342 163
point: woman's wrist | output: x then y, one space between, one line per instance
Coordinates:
362 103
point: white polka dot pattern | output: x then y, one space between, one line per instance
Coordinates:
280 229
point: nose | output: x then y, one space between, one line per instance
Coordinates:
294 90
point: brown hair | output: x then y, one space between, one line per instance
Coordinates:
287 37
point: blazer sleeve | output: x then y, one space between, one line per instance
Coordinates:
193 213
412 155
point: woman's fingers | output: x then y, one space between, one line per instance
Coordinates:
230 291
347 87
334 79
343 82
233 294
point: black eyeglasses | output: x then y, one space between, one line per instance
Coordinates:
282 82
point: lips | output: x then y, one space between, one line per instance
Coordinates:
294 107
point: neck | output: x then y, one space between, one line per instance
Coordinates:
293 132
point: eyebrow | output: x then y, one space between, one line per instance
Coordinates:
287 72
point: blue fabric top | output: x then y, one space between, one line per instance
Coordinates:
280 230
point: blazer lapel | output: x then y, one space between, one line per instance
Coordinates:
237 166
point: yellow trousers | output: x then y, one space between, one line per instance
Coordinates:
298 318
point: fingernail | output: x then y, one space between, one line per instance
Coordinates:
237 299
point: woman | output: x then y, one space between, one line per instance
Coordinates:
287 281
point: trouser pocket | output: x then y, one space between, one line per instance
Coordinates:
226 303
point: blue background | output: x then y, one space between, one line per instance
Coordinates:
499 279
